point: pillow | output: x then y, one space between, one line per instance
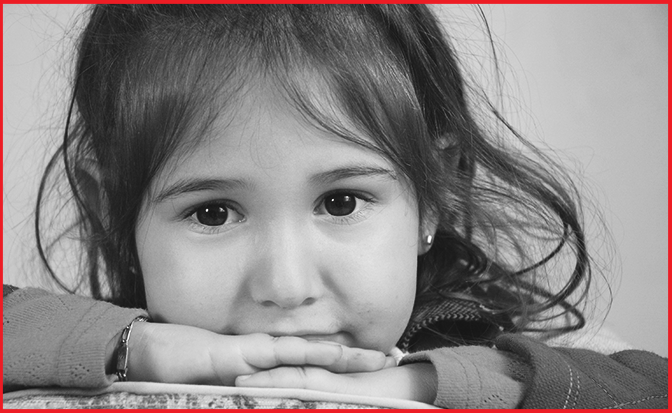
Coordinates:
143 395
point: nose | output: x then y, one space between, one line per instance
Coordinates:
285 272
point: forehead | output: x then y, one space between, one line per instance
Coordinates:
262 133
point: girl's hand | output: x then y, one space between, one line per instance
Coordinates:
416 381
174 353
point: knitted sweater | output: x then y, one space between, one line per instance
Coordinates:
518 372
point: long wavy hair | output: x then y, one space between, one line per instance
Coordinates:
149 78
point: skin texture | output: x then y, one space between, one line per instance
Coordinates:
412 382
183 354
279 272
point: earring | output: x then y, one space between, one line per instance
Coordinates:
429 239
132 268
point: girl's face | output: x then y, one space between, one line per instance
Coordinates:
273 226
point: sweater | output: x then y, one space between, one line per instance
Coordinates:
518 371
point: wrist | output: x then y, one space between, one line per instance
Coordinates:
111 354
137 356
123 349
424 382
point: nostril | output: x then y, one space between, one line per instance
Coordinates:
308 301
287 304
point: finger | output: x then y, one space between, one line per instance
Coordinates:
407 382
355 360
269 352
314 378
390 362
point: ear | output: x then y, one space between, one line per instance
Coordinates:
427 228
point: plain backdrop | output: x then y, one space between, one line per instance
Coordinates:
588 80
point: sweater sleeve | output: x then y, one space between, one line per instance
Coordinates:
579 378
523 372
473 377
58 340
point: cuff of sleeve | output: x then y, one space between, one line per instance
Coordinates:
60 340
83 356
474 377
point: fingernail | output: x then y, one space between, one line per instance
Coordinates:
397 354
243 378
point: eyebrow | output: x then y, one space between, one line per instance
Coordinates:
197 184
186 186
352 172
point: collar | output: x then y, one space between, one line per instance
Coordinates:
450 322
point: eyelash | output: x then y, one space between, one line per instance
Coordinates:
352 218
349 219
211 229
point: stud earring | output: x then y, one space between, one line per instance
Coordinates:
429 239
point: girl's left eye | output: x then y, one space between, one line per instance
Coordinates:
340 204
344 207
211 217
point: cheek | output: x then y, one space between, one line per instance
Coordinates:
185 283
383 278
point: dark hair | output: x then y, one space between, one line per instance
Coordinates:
149 77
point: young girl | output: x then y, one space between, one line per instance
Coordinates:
294 194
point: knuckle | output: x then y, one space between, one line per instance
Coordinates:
277 358
264 337
301 376
290 350
302 373
297 377
254 339
340 363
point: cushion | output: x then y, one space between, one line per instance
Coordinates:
143 395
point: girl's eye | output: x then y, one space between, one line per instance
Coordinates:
340 204
214 216
345 207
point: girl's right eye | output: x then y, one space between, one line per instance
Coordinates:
213 216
